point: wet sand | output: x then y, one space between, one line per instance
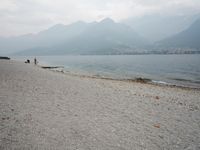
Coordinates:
42 109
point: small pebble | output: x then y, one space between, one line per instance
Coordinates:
156 125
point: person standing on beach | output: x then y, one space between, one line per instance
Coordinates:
35 61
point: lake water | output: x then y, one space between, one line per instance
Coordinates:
182 70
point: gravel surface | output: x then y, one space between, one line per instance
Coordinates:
42 109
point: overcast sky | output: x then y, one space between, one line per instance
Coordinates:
27 16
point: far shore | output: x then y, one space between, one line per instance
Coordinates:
43 109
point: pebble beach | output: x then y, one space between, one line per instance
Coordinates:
44 109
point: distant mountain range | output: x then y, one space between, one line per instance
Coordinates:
157 27
105 37
99 38
189 38
55 35
187 41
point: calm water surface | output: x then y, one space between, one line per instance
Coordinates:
172 69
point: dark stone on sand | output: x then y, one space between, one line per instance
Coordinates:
6 58
142 80
48 67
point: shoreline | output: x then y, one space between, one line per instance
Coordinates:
142 80
155 78
135 80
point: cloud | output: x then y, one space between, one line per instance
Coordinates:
24 16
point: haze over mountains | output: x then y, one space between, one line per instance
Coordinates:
104 37
52 36
158 27
189 38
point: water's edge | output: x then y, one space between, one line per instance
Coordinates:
138 79
69 64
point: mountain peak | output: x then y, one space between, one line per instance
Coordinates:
107 20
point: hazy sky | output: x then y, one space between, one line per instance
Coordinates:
26 16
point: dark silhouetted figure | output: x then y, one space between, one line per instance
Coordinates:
35 61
